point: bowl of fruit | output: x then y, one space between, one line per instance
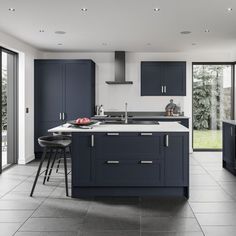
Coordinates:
81 122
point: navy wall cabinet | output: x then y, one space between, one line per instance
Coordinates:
229 154
119 163
163 78
64 90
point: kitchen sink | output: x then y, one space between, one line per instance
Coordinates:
130 122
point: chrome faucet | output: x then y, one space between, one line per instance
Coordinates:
126 113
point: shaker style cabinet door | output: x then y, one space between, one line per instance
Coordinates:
176 156
151 79
79 89
174 79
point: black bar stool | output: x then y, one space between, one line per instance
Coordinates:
59 143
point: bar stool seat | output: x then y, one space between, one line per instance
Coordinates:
52 143
58 141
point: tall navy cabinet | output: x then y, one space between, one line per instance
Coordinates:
64 90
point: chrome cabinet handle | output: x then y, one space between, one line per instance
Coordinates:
162 89
231 131
167 140
112 162
92 140
63 116
146 134
146 162
165 89
113 134
60 116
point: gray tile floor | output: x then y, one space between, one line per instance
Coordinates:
210 210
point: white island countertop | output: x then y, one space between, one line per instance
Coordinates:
161 127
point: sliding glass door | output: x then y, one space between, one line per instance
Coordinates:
8 90
212 103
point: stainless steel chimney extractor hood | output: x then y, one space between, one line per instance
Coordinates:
119 69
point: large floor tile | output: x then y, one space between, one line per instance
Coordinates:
215 219
112 222
46 234
213 207
202 180
219 230
18 205
110 233
51 224
13 216
177 207
172 234
70 208
198 195
8 229
171 224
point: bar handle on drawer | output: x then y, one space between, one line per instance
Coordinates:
167 140
112 162
146 162
146 134
92 140
113 134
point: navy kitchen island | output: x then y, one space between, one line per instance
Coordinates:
129 160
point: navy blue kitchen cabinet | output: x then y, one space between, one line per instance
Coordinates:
129 159
176 159
64 90
151 79
229 154
163 78
125 164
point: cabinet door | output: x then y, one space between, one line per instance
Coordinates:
175 79
82 160
176 158
228 143
151 78
79 90
49 91
48 98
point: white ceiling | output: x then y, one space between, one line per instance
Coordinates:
128 25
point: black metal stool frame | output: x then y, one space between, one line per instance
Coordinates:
46 149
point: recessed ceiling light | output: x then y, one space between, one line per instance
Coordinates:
60 32
11 9
186 32
59 44
207 30
41 31
157 9
230 9
84 9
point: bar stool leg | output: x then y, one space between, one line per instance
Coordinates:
38 172
46 172
58 164
54 159
65 170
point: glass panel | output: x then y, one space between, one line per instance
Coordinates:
211 104
4 109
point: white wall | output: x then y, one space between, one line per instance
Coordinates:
113 97
27 54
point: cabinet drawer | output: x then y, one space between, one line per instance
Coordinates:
128 146
129 173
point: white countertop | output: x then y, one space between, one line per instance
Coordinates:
162 127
